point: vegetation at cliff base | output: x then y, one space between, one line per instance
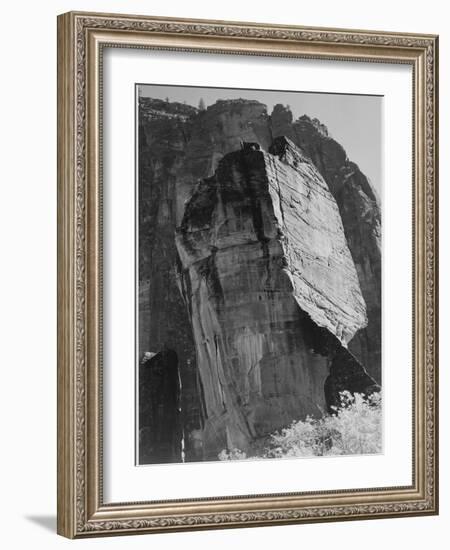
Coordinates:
355 428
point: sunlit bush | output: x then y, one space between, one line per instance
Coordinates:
354 428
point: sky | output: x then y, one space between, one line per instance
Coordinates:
355 121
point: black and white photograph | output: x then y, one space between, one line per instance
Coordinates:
223 241
259 276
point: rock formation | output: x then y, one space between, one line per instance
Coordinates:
164 130
178 146
272 292
180 153
360 214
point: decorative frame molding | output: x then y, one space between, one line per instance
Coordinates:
81 37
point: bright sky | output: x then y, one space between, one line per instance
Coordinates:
355 121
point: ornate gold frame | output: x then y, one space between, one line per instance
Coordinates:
81 37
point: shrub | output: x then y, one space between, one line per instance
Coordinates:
354 428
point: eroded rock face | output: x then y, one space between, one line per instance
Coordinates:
163 320
361 218
319 262
271 289
180 146
218 130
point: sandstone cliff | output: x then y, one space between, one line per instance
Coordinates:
178 146
181 147
360 214
272 292
164 131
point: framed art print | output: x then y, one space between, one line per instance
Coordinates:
247 274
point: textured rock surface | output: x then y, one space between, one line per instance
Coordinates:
217 131
271 289
319 263
163 320
180 146
360 214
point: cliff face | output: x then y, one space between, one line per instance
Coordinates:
163 320
217 131
361 218
317 315
272 292
178 146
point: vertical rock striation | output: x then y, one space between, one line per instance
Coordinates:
164 130
180 149
361 217
272 292
178 146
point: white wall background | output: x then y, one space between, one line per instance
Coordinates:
28 273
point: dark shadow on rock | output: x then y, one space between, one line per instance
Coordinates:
347 374
160 433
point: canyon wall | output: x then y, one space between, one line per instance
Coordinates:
272 292
361 217
164 130
178 146
180 150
